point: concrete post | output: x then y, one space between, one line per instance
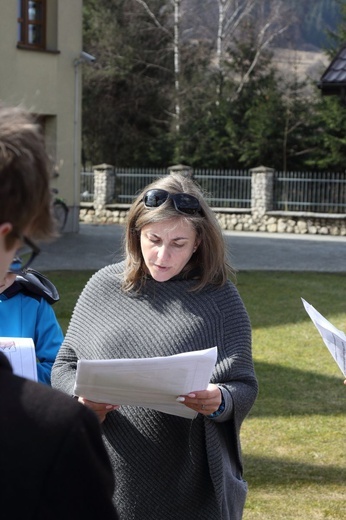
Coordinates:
262 185
187 171
104 182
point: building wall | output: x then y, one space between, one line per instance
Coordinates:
45 83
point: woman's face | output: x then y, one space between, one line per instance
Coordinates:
167 247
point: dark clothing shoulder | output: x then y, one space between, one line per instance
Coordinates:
53 463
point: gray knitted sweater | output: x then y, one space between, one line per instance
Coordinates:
167 467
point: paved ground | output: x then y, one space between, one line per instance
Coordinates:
98 245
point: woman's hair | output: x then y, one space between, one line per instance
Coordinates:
25 170
210 257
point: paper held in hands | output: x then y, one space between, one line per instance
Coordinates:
148 382
21 354
334 339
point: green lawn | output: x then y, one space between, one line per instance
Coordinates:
294 441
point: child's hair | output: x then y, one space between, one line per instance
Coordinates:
25 170
209 258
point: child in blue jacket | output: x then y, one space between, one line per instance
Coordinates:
26 312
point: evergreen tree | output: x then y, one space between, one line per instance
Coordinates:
329 139
252 117
126 119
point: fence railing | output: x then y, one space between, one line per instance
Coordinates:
130 181
292 191
225 188
87 186
323 192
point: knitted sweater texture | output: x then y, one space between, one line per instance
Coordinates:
167 467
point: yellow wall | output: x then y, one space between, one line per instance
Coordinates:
45 83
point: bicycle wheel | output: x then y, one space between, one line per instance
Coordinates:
60 211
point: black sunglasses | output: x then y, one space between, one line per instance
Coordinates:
24 256
183 202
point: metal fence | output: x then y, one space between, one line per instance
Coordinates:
225 188
222 188
323 192
87 186
293 191
130 181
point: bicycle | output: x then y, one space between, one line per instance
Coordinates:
60 211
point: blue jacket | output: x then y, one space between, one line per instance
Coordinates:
24 315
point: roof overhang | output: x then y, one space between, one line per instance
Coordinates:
333 80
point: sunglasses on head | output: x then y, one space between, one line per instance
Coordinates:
183 202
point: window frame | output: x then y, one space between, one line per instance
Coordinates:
24 23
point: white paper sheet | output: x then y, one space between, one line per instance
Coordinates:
148 382
334 339
21 354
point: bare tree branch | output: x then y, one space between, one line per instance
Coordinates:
152 16
262 44
176 4
233 14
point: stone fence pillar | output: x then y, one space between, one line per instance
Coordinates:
262 185
104 183
187 171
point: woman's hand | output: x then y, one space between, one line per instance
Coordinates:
205 402
101 409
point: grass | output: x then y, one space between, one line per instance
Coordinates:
69 285
294 439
